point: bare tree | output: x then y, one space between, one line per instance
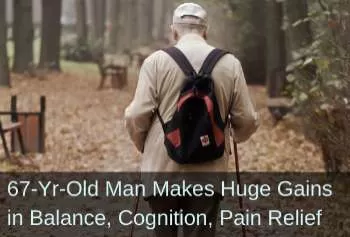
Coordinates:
98 21
50 35
134 22
149 14
299 35
251 16
128 22
145 21
82 31
160 10
276 50
115 34
4 68
276 60
23 33
169 7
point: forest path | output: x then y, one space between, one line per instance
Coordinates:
85 128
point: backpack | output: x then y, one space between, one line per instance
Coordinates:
195 134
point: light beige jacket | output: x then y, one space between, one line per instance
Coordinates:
159 85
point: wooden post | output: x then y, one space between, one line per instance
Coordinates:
41 136
13 119
3 139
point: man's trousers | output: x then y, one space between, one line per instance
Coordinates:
193 205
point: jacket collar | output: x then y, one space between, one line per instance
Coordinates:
191 37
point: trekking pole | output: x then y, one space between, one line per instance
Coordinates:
136 207
240 198
238 176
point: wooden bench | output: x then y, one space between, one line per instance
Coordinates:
110 67
117 73
27 129
140 54
11 127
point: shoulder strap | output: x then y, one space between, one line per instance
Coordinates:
209 63
181 60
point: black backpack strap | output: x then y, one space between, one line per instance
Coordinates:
181 60
160 119
209 63
185 66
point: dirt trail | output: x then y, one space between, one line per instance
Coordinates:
85 129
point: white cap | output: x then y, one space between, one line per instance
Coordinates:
200 16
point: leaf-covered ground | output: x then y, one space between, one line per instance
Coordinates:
85 129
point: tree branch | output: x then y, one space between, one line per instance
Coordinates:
322 5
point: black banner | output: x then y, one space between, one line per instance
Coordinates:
103 204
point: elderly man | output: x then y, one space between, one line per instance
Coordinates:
159 86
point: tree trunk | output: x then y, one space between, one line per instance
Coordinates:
251 38
160 11
98 22
298 37
145 21
256 54
50 35
149 14
169 7
128 22
141 23
276 62
276 50
23 33
115 34
134 22
82 31
4 68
